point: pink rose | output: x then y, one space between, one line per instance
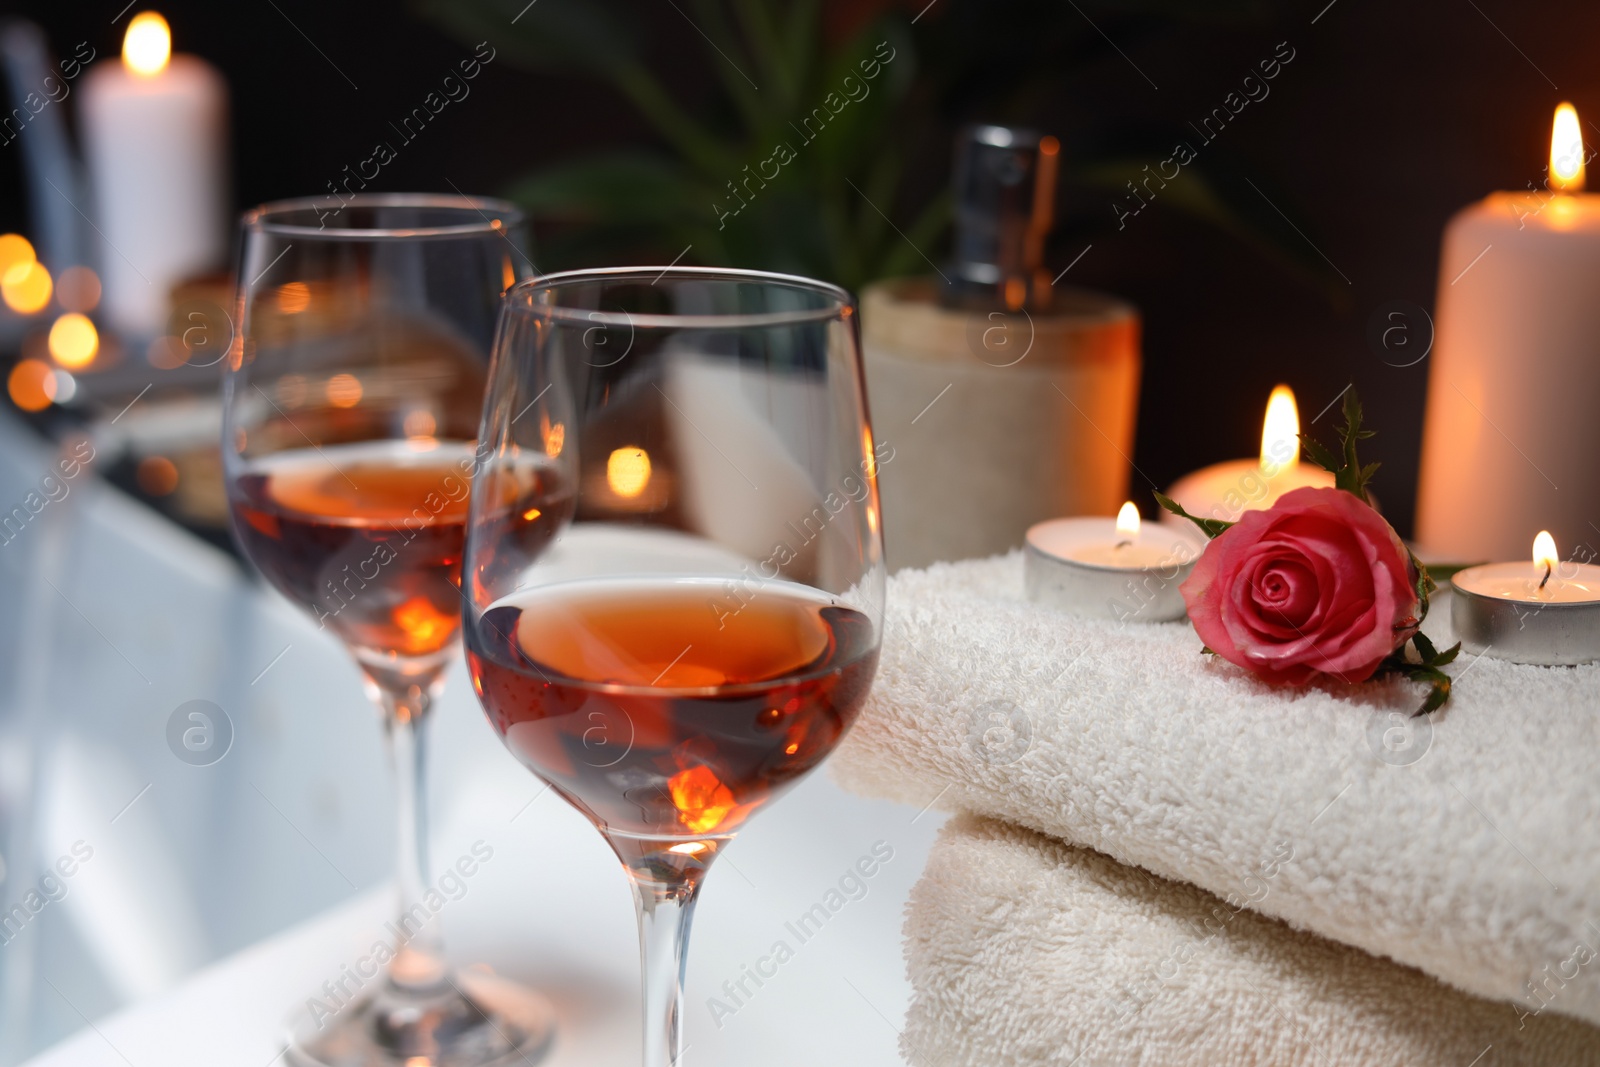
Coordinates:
1318 584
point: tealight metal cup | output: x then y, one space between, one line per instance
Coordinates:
1543 633
1092 590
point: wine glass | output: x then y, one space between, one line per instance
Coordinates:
673 569
351 400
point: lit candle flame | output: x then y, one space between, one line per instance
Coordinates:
1566 151
1280 433
147 46
1128 523
1544 551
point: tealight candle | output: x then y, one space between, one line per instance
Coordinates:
1546 612
1227 490
1110 569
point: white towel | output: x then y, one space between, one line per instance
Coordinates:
1025 951
1474 856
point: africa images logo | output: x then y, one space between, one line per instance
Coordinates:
199 733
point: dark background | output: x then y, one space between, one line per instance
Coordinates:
1389 118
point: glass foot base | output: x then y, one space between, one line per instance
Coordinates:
472 1019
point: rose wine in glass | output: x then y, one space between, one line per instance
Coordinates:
368 537
726 715
703 627
351 401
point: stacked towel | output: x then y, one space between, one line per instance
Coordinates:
1466 845
1025 950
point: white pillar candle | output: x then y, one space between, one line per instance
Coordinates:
154 135
1511 431
1229 489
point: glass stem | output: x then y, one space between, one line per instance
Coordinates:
418 960
665 911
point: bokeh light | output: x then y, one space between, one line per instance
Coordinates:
294 297
26 287
166 353
419 423
73 341
32 385
14 249
628 471
344 390
157 475
78 289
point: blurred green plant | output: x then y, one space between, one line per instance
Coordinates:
827 211
819 215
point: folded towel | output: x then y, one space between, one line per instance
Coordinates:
1026 951
1466 844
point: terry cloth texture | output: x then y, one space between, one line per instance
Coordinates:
1025 951
1466 844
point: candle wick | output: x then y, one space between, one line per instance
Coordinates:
1121 544
1547 569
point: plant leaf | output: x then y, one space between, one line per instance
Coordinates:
902 256
761 29
574 36
580 37
1425 586
1320 454
1428 671
615 188
1210 527
1349 476
1348 473
1438 693
731 63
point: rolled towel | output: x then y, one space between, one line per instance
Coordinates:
1025 951
1466 844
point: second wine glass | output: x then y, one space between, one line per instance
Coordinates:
351 401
